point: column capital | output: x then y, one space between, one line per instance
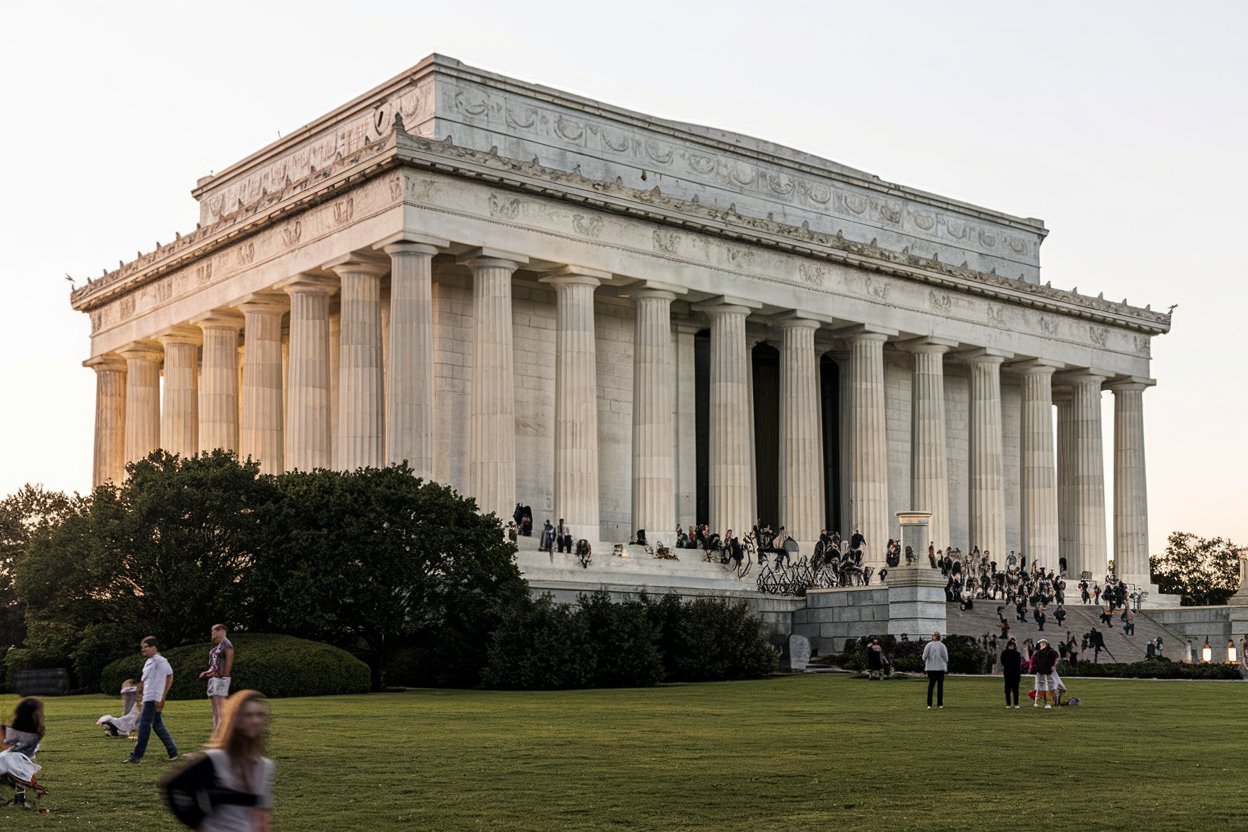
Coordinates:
308 282
1130 383
929 345
574 276
866 332
1036 366
355 264
409 242
106 362
181 334
795 319
1083 375
727 305
264 302
495 257
649 288
985 355
144 350
219 319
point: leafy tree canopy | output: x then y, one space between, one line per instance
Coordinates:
1204 571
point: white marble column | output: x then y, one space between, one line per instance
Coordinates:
218 382
179 411
143 360
1091 543
110 419
308 382
1063 401
868 443
654 416
731 421
987 463
1130 483
360 442
335 375
801 434
409 366
1038 489
929 458
260 430
492 402
576 400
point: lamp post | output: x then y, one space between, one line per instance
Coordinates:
1206 652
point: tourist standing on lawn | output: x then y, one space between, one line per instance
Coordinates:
875 660
237 752
157 679
1012 671
1043 663
936 663
220 665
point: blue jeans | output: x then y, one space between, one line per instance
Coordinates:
148 720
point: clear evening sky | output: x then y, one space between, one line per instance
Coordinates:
1122 125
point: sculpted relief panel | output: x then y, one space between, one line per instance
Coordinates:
680 163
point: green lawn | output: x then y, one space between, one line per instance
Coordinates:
805 752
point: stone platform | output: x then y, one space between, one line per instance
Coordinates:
690 576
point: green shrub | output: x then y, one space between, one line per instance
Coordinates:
541 645
625 639
34 658
275 665
711 639
1155 669
966 655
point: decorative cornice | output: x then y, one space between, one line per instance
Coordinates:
444 157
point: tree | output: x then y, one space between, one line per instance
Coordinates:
377 558
167 553
22 515
1205 572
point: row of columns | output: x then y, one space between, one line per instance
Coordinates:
343 371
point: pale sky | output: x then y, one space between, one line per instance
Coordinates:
1122 125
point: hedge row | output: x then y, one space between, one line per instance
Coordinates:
965 654
276 665
1154 669
598 643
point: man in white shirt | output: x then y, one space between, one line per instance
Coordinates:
157 679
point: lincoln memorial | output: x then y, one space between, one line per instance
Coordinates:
628 322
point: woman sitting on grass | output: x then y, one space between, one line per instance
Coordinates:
131 708
21 741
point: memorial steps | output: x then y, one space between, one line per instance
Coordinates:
1079 620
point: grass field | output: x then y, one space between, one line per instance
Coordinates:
789 753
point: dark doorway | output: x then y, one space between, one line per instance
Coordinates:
702 422
830 399
766 366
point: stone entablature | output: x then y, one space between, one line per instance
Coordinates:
859 274
441 98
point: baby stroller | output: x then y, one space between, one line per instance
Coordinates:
18 770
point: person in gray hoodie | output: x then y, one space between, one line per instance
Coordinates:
936 663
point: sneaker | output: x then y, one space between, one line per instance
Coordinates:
1048 707
1016 707
929 707
174 756
134 760
940 707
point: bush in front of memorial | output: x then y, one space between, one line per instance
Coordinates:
543 645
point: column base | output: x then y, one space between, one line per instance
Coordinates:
916 601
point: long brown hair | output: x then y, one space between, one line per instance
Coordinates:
28 716
242 750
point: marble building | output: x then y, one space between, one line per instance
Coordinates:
628 322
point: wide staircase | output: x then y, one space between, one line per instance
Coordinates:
1079 620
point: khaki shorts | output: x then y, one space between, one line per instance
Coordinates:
219 686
